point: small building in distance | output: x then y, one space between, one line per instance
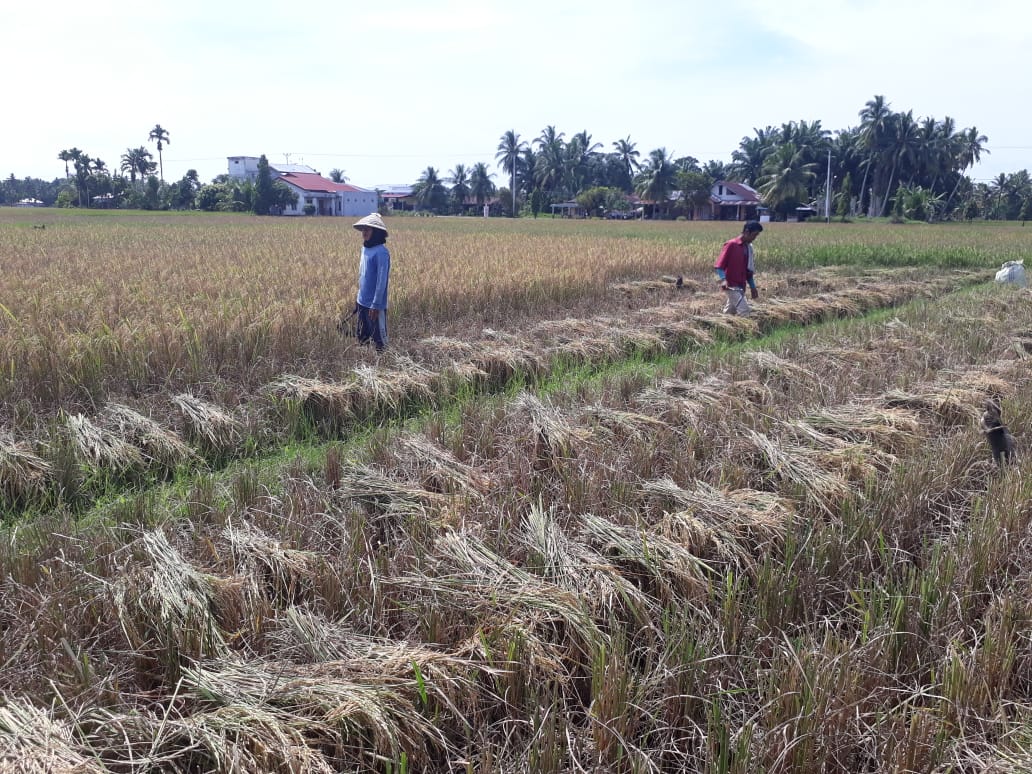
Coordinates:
731 201
316 194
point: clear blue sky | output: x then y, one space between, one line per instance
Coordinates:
383 90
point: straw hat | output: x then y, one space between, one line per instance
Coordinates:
372 221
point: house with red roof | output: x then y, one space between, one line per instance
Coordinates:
315 194
731 201
327 197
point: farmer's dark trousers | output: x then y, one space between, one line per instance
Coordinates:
372 330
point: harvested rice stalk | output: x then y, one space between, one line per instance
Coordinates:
378 389
588 349
32 741
160 445
892 429
101 448
23 475
950 406
208 424
366 717
577 568
504 362
244 736
983 380
166 605
454 680
770 364
288 573
470 576
742 516
555 437
322 400
668 565
439 469
797 465
727 525
626 424
370 487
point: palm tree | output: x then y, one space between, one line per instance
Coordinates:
338 176
904 143
459 179
786 177
82 164
100 167
137 161
628 154
161 135
582 161
747 161
510 148
65 156
481 187
550 171
874 120
429 191
969 147
657 178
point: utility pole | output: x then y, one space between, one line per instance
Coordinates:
827 192
513 180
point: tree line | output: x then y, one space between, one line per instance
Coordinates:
891 163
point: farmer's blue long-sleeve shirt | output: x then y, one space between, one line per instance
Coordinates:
373 273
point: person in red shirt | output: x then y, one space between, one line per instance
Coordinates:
735 268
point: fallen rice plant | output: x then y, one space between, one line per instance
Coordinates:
100 448
745 517
579 569
166 607
24 476
438 468
364 717
468 577
668 568
32 741
287 574
800 466
158 444
555 438
208 424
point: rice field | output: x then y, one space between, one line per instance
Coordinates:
576 520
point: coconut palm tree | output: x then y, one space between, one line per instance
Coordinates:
874 119
656 179
481 187
786 178
161 135
550 171
429 192
137 161
747 161
903 147
628 154
338 176
510 149
65 156
459 179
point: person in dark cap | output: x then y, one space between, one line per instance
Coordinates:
735 268
373 273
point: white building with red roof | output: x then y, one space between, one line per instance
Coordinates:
316 194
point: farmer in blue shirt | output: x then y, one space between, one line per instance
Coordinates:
373 273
